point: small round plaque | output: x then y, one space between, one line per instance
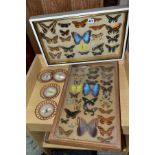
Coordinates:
46 109
59 75
45 76
50 91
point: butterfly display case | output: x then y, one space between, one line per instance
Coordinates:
77 92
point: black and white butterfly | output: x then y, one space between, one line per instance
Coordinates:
68 49
112 48
106 92
112 39
113 19
98 50
69 55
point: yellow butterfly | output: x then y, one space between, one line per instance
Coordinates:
82 47
76 88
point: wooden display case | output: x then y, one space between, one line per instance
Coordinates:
90 38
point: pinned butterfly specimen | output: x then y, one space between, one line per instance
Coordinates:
104 120
77 37
63 132
107 82
65 39
93 76
106 104
105 111
93 70
49 40
63 33
83 53
99 49
55 56
113 39
68 49
80 24
97 19
91 82
94 88
64 120
89 102
71 125
54 48
71 114
75 90
64 25
83 126
98 27
113 19
50 28
106 132
106 91
107 76
112 48
97 36
70 55
105 140
107 69
114 29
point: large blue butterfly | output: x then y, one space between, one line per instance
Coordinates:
77 37
94 88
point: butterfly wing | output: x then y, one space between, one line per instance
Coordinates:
96 89
116 17
82 125
102 131
109 131
110 19
68 132
77 37
86 89
86 36
92 127
79 88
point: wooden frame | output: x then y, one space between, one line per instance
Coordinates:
78 14
86 144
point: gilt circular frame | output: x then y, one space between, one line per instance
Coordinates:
40 78
62 71
55 89
45 104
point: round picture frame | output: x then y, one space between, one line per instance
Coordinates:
46 109
46 74
50 91
58 75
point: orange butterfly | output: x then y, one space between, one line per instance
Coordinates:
63 132
98 27
80 24
105 111
65 39
104 132
104 120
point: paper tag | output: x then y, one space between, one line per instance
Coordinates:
90 20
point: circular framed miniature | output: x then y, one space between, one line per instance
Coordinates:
50 91
59 75
46 109
45 76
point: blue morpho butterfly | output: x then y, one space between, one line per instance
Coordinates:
77 37
94 88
